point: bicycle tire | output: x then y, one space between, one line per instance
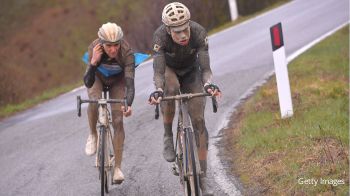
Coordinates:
108 174
194 178
102 159
106 182
179 158
184 165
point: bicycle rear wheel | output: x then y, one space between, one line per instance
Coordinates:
102 159
193 176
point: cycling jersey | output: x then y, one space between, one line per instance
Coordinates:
182 59
108 69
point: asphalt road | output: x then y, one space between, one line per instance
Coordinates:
42 150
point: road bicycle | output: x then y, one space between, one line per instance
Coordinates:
105 152
186 164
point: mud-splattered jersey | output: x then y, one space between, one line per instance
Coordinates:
125 61
182 59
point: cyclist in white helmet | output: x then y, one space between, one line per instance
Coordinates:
181 61
111 64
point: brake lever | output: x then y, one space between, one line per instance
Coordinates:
215 104
79 106
156 116
125 105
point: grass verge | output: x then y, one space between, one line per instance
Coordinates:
11 109
276 156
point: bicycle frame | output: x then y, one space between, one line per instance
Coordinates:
105 152
186 144
103 124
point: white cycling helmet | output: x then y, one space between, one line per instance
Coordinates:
110 33
175 14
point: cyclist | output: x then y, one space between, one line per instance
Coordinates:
111 64
181 61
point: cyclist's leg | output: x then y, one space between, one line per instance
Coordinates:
94 93
171 87
117 92
192 83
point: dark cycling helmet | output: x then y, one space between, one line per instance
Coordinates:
110 33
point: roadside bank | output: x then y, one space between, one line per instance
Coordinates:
308 153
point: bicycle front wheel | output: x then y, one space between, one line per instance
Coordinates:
193 174
102 158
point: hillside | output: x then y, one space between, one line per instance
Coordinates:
42 42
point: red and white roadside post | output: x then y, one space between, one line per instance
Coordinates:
281 71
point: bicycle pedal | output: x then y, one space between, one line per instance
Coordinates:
175 169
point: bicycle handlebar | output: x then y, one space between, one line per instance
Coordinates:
111 101
187 97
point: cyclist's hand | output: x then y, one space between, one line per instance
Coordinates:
155 97
128 112
212 89
96 54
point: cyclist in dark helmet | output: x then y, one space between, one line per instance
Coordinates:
111 63
181 62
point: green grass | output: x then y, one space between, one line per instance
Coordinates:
14 108
314 142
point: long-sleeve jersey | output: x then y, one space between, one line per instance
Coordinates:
182 59
125 60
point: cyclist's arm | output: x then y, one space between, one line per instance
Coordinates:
158 62
129 74
89 76
203 56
